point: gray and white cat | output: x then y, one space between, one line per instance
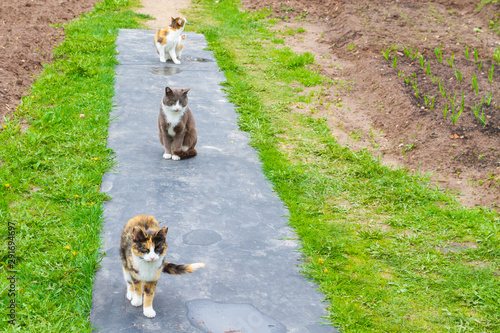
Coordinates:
176 125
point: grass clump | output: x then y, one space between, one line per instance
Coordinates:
389 252
53 155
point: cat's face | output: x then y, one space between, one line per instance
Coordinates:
149 245
178 23
175 100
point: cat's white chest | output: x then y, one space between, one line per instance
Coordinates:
173 118
147 269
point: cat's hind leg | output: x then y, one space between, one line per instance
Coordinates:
130 289
161 51
187 148
173 56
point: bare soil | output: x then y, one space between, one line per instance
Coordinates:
29 32
162 11
371 107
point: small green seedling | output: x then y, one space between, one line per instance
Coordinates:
395 62
439 53
476 56
432 102
466 52
477 107
488 98
451 59
454 98
454 116
386 54
422 62
408 147
496 55
414 56
441 89
459 75
491 72
428 69
474 84
407 51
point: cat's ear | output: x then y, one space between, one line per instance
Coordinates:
161 234
138 234
168 90
185 91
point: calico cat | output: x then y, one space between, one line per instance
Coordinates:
142 251
177 128
169 39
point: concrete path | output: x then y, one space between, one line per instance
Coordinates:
218 206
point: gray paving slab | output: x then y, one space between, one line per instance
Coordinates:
218 206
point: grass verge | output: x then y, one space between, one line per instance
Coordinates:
390 251
52 157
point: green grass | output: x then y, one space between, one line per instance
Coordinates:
390 251
52 157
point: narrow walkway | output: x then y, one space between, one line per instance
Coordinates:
218 206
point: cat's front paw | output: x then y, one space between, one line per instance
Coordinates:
136 300
167 156
175 157
149 312
163 60
129 295
177 62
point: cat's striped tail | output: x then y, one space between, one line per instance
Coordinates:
175 269
183 154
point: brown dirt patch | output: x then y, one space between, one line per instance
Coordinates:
162 11
371 107
27 39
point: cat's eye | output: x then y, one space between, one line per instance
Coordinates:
144 249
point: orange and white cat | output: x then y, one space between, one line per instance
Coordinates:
169 41
142 250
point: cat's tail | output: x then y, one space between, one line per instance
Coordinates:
183 154
175 269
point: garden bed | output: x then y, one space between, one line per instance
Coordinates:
370 106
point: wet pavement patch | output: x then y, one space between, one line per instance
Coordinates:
166 70
201 237
197 59
215 317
